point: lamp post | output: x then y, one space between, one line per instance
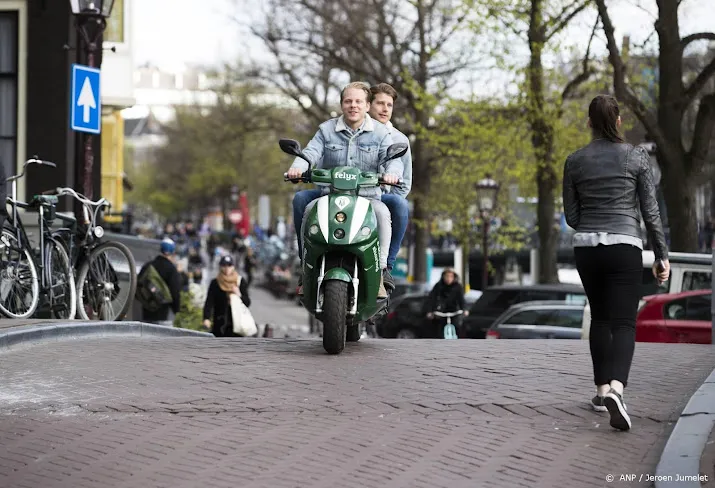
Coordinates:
487 190
90 20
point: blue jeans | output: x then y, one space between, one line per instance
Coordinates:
400 213
300 201
397 205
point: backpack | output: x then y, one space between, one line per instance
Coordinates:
152 291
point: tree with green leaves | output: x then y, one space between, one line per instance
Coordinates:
682 154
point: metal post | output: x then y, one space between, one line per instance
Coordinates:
485 250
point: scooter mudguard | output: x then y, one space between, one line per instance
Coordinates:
450 332
338 274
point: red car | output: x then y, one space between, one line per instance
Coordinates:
678 317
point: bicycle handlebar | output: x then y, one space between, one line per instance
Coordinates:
448 314
33 160
66 191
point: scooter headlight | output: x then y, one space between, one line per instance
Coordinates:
314 229
340 217
339 233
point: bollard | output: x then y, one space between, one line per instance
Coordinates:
267 331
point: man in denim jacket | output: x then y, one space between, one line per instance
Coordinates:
353 139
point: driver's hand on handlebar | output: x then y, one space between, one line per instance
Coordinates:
430 315
391 179
294 173
466 312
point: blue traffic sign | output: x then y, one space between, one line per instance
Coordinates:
85 113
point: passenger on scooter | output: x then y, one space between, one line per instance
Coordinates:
447 296
353 139
382 103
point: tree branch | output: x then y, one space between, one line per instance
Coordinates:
563 19
696 37
703 133
699 83
622 90
586 69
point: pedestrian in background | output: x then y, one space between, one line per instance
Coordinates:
605 184
217 309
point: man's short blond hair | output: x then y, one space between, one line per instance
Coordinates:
358 85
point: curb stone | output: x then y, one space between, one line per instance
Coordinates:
686 443
34 334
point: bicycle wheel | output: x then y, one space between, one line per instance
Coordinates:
106 283
19 286
60 278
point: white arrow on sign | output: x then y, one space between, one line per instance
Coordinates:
86 100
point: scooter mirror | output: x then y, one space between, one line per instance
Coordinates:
290 146
396 151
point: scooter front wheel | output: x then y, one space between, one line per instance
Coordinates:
335 310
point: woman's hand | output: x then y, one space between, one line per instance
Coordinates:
207 324
236 290
661 273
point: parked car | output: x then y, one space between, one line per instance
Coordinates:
678 317
688 271
497 299
407 318
539 320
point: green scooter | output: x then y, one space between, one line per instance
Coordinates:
341 250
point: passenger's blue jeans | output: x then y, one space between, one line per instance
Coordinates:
397 205
400 213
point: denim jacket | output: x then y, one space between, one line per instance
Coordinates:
397 137
335 144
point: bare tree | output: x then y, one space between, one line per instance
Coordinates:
318 45
682 167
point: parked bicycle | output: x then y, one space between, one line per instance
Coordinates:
28 274
106 271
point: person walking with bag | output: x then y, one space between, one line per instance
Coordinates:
607 188
218 311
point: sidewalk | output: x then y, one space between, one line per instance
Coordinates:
280 413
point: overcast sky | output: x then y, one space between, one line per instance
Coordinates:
171 32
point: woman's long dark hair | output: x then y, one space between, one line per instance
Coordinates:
603 112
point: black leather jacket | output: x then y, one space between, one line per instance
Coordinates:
605 184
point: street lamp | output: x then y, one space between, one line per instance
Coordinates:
90 20
487 190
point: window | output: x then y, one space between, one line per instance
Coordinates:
566 318
697 280
576 299
528 317
650 286
538 295
412 306
115 24
8 91
690 308
496 299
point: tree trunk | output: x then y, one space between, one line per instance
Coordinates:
679 193
542 140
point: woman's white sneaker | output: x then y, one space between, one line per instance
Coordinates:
615 406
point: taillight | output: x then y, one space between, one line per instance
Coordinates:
391 315
492 334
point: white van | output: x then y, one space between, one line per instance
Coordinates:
688 271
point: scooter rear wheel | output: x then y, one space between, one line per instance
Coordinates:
335 309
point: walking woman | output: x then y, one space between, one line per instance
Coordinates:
217 310
606 183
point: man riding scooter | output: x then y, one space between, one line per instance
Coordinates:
353 139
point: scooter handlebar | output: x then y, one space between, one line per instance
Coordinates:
304 178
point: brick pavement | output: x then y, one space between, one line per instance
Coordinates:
177 413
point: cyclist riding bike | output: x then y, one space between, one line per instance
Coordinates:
447 296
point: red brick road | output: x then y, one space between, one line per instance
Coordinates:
260 413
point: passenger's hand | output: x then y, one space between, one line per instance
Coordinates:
466 313
430 315
207 323
236 291
391 179
661 274
294 173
